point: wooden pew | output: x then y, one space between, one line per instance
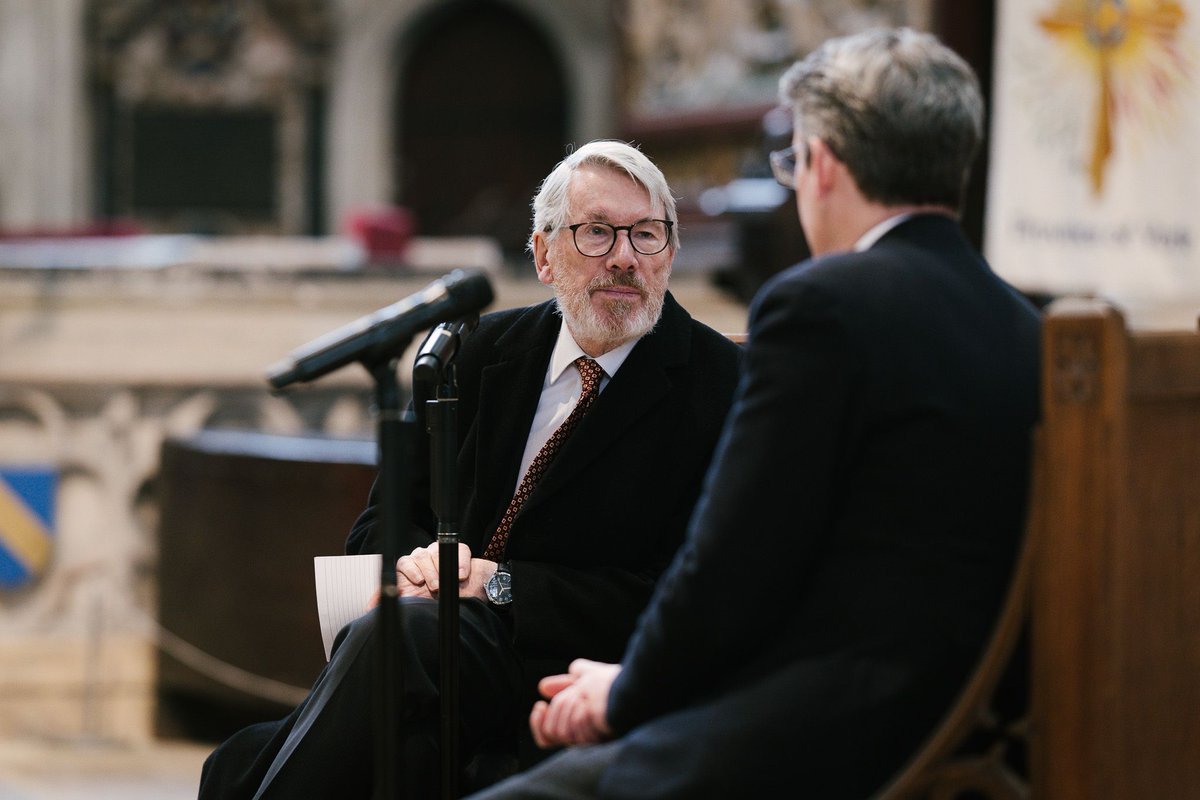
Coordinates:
1116 592
1107 588
242 515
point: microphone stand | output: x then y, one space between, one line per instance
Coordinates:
442 425
374 341
396 428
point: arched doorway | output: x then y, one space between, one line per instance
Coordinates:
482 118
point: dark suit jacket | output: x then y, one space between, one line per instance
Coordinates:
848 558
611 510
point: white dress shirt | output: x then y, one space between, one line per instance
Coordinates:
561 389
876 233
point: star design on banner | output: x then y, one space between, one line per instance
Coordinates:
1133 48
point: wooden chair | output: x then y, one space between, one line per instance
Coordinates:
1115 615
1107 586
977 748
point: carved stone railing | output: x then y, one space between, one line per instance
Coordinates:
78 641
97 368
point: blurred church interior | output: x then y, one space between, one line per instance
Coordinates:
190 189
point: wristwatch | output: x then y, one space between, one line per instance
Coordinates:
499 586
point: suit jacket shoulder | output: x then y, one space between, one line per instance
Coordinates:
878 447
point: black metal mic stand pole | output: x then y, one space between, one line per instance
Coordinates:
396 428
442 424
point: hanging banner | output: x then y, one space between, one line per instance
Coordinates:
27 501
1095 164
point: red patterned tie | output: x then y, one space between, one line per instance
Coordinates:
590 372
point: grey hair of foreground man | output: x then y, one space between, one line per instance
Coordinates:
550 211
901 110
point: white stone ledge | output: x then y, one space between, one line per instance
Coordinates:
423 254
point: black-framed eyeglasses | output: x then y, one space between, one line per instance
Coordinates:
783 166
649 237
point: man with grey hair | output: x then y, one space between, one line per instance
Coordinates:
859 524
568 518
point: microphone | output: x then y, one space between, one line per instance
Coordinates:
381 333
439 349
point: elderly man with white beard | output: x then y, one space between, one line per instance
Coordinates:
586 425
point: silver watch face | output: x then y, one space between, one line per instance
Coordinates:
499 588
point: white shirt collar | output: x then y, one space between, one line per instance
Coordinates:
566 350
868 239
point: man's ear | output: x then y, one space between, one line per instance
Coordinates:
541 258
824 165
